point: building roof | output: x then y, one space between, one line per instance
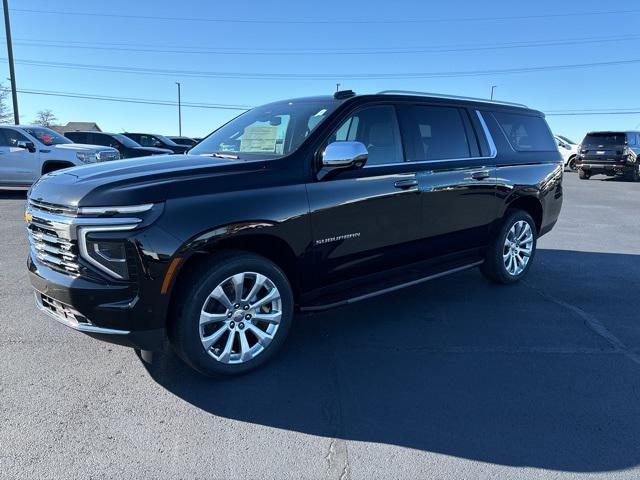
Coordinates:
77 126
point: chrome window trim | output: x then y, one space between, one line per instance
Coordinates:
493 151
84 252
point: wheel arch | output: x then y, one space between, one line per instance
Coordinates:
529 204
198 253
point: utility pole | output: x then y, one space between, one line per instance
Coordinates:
179 110
12 70
493 87
337 87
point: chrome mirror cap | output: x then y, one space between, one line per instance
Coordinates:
344 154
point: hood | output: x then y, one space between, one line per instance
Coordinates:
132 181
152 150
81 147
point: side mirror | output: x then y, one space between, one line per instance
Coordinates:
27 146
344 155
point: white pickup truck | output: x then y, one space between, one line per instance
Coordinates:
27 152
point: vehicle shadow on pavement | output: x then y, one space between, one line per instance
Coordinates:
539 374
13 194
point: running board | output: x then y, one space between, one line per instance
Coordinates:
366 296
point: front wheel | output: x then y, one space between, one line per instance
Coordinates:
634 175
234 316
510 256
572 164
583 175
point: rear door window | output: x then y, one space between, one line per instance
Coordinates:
439 133
526 133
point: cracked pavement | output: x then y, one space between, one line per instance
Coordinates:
456 378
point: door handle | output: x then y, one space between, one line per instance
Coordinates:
408 183
481 175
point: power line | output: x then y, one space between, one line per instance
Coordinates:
611 111
349 21
143 101
306 52
316 76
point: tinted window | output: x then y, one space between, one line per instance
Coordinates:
11 137
76 137
605 138
377 128
631 138
439 132
526 133
100 139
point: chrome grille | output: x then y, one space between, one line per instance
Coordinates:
53 208
107 156
53 250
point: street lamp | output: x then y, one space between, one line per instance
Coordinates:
179 111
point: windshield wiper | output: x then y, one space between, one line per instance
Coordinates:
230 156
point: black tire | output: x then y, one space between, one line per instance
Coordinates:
494 264
572 164
583 175
634 175
184 331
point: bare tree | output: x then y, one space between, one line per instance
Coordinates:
6 115
45 118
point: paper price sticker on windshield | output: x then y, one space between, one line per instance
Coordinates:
259 138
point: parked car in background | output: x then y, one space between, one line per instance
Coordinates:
569 150
27 152
157 141
127 147
303 204
188 141
610 153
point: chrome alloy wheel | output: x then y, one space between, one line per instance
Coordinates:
518 247
240 317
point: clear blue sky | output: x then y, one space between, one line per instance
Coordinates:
568 37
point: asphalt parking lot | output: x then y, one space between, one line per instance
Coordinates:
457 378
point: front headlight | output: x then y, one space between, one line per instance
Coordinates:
87 157
111 255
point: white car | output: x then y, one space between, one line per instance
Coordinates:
27 152
569 150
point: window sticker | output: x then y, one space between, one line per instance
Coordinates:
259 138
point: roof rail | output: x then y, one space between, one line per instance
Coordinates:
452 97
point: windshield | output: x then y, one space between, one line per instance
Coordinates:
608 138
126 141
267 132
47 136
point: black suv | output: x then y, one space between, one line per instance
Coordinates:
299 205
610 153
157 141
127 147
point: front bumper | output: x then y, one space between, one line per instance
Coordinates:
108 312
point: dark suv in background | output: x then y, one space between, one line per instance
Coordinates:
299 205
127 147
610 153
157 141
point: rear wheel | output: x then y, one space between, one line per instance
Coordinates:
510 256
583 175
572 164
234 316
